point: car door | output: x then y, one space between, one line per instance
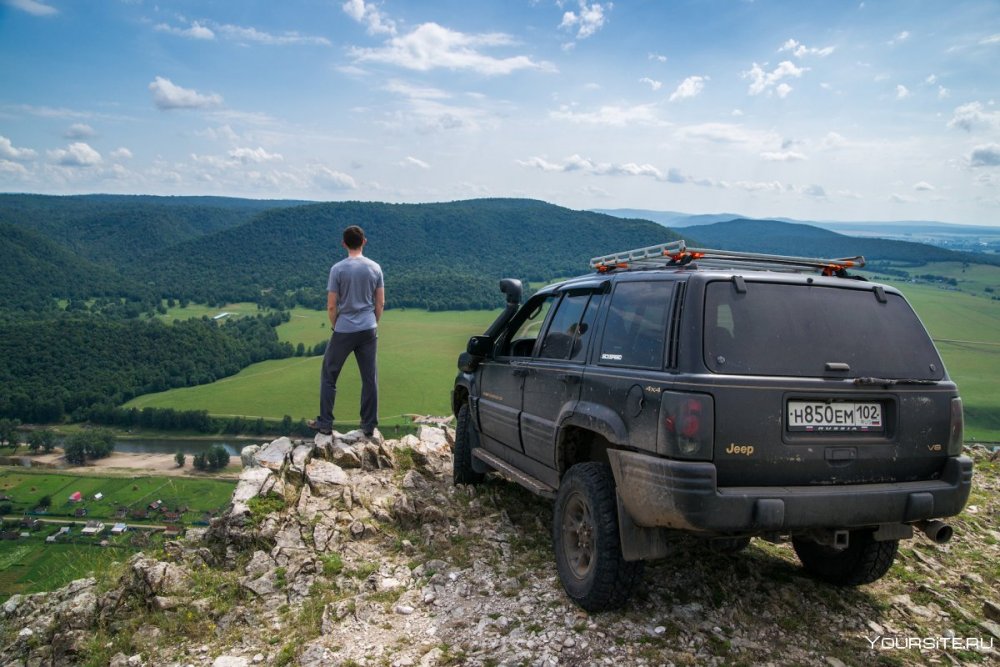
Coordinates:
501 378
553 381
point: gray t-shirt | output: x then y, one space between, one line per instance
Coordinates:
354 281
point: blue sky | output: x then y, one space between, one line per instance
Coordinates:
836 110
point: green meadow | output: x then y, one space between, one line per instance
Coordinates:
194 310
25 488
418 350
30 565
417 354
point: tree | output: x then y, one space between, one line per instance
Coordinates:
45 502
179 457
198 461
94 443
8 432
43 439
218 457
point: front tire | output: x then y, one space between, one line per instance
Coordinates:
466 439
587 545
863 561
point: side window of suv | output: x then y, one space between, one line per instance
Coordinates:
571 325
526 327
637 324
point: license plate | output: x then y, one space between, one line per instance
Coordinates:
839 416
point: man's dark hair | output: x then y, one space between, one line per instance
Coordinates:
354 237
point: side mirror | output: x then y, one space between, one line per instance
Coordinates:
480 346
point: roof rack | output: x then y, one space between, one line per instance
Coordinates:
677 254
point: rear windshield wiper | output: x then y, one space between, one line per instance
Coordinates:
886 382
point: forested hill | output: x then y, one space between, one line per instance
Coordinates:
116 228
435 256
37 271
784 238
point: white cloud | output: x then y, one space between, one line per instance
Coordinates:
902 92
782 156
931 80
167 95
728 133
121 154
782 90
923 186
195 31
32 7
254 155
973 116
79 131
411 161
431 46
368 14
77 154
415 92
9 152
244 34
899 38
586 165
992 39
657 57
762 81
328 179
654 85
987 155
943 93
690 87
814 190
12 168
800 50
896 198
588 20
612 115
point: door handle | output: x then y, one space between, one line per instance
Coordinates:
568 378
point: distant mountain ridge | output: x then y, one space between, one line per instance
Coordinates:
774 237
437 256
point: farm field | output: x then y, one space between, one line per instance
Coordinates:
25 489
194 310
30 565
417 354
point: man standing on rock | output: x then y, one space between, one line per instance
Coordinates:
354 302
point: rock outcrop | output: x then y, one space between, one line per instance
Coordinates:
348 550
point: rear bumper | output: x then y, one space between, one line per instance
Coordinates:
679 494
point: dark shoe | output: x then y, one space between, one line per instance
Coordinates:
369 432
314 425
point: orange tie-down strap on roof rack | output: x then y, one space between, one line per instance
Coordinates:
678 254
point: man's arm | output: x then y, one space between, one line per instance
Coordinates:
331 308
379 302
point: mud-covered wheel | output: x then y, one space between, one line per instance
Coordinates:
465 439
863 561
587 545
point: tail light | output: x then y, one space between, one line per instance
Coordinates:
957 432
687 426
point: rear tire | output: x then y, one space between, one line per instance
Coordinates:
465 439
587 545
863 561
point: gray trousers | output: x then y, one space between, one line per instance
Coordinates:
363 344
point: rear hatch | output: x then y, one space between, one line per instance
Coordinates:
823 381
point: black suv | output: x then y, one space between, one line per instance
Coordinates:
731 395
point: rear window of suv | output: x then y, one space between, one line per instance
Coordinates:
814 331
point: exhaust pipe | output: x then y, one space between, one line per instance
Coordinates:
938 531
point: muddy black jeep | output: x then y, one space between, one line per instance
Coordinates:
730 395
